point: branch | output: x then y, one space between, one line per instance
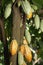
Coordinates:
36 61
0 2
2 29
6 59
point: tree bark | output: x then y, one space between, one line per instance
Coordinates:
17 31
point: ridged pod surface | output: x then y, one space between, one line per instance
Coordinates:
27 9
41 27
28 53
28 36
7 11
37 21
13 47
20 58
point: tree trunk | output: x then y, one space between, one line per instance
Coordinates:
17 31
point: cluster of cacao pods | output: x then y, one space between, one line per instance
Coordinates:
24 51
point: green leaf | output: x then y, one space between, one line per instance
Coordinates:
39 3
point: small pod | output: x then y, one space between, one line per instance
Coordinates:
28 36
13 1
7 11
13 47
22 49
25 41
41 26
37 21
34 7
19 3
20 58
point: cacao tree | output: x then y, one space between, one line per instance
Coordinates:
21 32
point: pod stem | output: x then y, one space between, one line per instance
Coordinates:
32 50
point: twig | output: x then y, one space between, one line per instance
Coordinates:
36 61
